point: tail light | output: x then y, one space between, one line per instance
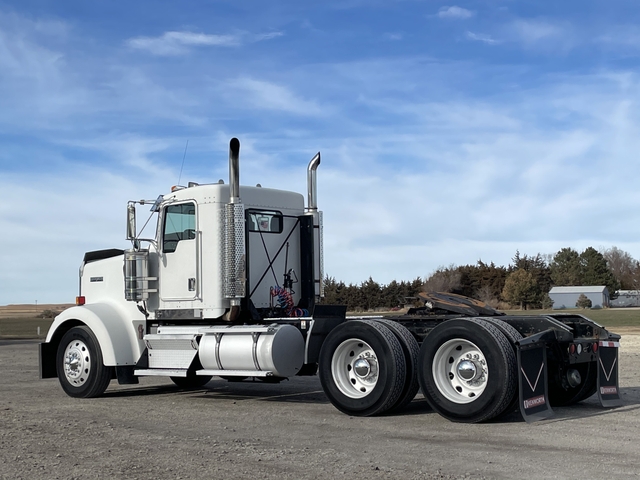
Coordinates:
80 300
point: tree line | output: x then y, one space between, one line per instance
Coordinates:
524 283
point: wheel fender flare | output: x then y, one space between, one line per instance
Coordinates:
117 335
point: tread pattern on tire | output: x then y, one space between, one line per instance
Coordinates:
512 361
508 360
400 367
387 393
411 385
513 336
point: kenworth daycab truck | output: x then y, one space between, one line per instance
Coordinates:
231 286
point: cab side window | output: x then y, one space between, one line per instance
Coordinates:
264 221
179 225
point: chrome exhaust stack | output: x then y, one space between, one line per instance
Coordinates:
312 185
312 210
234 170
234 267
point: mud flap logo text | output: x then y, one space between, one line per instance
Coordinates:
608 390
534 402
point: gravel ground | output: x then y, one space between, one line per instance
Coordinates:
290 431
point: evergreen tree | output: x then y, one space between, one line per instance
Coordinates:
594 271
520 288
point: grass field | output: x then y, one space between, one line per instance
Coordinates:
24 327
611 318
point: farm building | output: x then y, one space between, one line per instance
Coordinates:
627 298
566 297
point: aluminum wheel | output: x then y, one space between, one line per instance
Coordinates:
460 371
354 367
77 363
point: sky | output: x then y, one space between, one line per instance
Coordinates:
449 132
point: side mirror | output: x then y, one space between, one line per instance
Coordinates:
131 222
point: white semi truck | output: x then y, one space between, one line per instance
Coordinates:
230 286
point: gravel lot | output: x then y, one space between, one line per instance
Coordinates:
290 431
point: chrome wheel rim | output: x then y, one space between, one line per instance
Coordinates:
77 363
355 368
460 371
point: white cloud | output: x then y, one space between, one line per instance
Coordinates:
480 37
454 12
181 42
177 43
532 31
270 96
267 36
393 36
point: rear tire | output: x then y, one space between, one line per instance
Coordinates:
79 364
468 370
411 351
513 336
362 368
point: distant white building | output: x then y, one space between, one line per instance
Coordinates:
566 297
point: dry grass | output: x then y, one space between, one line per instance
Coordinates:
29 310
24 327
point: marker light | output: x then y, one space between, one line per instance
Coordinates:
595 347
80 300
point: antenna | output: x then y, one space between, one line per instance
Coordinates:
183 157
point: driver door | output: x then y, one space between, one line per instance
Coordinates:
178 271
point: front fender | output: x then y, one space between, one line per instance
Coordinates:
117 331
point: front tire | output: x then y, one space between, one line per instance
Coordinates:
362 368
468 370
81 371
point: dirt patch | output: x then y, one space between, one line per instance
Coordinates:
290 431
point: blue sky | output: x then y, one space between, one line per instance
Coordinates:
449 132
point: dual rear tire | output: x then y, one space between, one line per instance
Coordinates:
467 368
368 367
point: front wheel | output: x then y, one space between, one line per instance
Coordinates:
362 368
79 363
468 370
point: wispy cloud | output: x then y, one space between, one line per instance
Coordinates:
181 42
394 37
625 36
535 30
271 96
177 43
481 37
455 12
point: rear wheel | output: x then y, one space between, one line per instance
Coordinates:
362 368
468 370
79 363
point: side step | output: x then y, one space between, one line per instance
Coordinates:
161 372
235 373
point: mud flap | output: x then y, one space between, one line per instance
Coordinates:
608 390
532 379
